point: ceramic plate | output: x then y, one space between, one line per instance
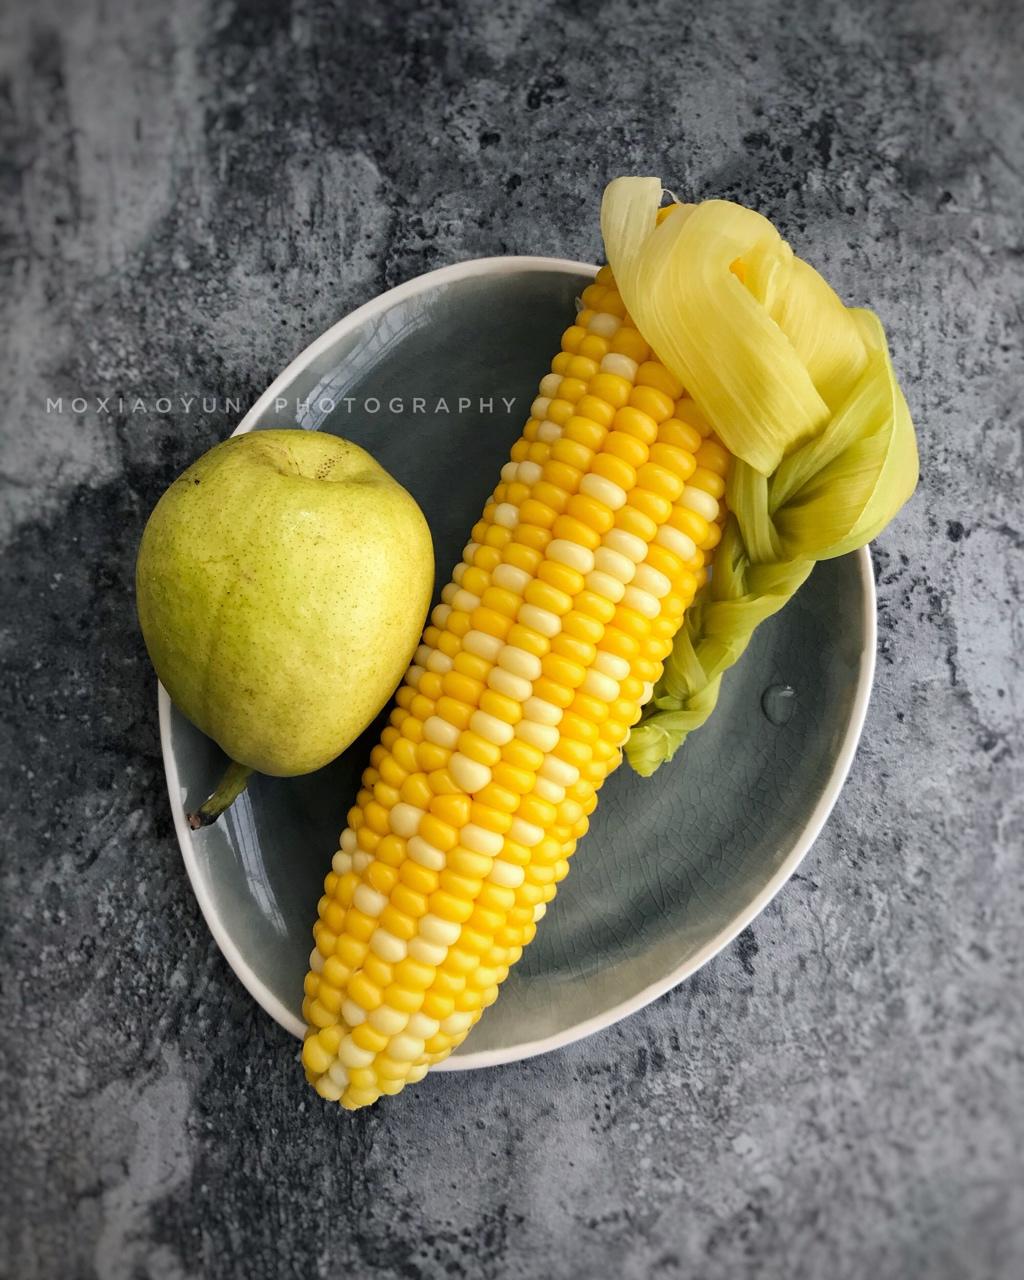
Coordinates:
435 378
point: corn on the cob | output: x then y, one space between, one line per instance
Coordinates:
535 665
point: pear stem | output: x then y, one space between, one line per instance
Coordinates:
232 784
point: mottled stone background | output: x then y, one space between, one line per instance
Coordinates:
193 190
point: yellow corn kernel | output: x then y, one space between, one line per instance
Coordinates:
452 808
628 342
417 877
476 796
709 481
431 757
415 791
652 373
679 461
441 783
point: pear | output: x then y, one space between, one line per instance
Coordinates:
282 584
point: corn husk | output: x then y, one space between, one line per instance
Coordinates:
797 386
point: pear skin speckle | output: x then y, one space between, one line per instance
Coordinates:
282 584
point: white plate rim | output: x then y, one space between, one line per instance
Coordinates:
262 994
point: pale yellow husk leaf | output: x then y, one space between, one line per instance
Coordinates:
798 387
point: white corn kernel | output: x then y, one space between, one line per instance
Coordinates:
653 580
458 571
491 728
622 366
350 1055
542 712
549 385
502 681
572 554
338 1074
448 592
456 1023
598 685
479 840
509 472
604 324
465 600
482 645
440 732
542 736
405 1048
439 662
543 620
510 578
676 541
468 774
361 860
341 862
628 543
506 515
425 952
388 1021
525 833
549 791
540 911
560 771
611 664
549 432
435 929
316 961
405 819
519 662
539 408
367 900
507 874
423 1026
390 949
414 675
328 1089
530 472
642 602
604 585
424 853
440 615
615 563
697 500
353 1013
603 490
348 840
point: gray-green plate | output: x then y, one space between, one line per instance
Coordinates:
674 866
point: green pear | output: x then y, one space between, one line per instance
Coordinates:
282 583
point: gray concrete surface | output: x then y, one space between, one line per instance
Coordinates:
191 192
